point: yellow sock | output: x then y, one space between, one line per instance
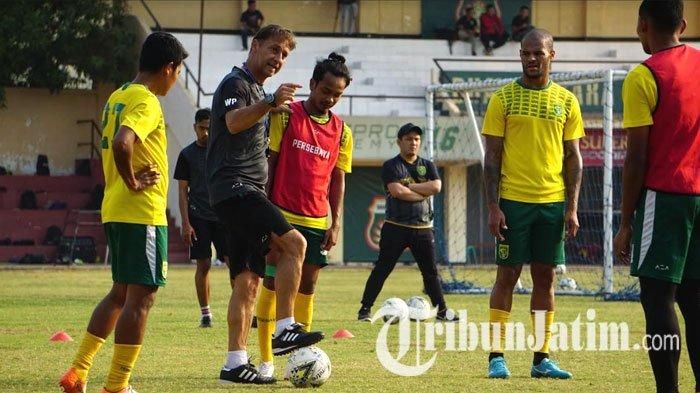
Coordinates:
90 345
266 311
501 317
548 322
304 310
122 363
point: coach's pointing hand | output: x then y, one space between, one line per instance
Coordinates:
285 93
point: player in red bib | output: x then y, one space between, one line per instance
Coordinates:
660 211
310 153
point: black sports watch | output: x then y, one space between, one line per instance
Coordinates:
270 100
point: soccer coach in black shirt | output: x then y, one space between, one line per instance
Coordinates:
409 182
236 175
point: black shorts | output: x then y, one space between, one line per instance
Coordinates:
208 232
250 219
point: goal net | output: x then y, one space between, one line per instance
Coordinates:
465 247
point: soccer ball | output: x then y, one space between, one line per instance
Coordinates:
308 367
418 308
567 284
394 310
560 270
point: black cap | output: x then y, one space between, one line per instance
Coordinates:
407 128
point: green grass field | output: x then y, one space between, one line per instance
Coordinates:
180 357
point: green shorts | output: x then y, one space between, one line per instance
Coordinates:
535 233
666 237
138 253
314 238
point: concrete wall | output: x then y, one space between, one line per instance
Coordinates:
315 16
38 122
600 19
564 18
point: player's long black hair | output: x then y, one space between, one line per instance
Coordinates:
335 64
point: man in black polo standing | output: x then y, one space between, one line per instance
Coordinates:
236 175
409 182
200 226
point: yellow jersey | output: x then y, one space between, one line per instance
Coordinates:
278 123
135 107
534 123
639 97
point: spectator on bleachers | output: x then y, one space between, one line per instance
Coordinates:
347 15
493 35
521 24
466 26
251 21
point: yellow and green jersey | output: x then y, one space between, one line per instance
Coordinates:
534 123
137 108
278 124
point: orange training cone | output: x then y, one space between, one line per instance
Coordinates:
61 336
343 333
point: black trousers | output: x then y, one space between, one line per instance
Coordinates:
493 41
394 239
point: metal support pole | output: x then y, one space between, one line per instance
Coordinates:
607 184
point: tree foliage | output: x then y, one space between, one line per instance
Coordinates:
55 44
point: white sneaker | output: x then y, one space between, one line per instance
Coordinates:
267 369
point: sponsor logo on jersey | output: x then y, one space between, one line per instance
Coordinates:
307 147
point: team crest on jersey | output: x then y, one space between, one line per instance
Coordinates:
422 170
558 110
503 251
376 212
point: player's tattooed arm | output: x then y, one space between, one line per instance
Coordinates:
492 179
573 172
492 167
573 166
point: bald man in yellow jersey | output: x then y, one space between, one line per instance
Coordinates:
532 171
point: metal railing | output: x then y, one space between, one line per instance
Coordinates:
94 129
352 97
188 72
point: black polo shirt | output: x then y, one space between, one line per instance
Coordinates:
414 214
241 157
190 167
